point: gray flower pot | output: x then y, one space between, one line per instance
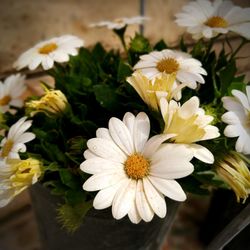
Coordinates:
99 230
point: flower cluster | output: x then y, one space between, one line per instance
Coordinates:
129 129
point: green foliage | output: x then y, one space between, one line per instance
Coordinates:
71 217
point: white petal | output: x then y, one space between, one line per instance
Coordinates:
124 199
129 120
231 131
103 180
106 149
121 136
98 165
202 153
104 198
103 133
242 98
47 63
154 143
88 154
155 199
133 214
143 207
141 131
169 188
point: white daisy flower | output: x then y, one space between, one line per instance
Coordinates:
190 124
47 52
187 69
120 23
238 118
208 19
16 139
11 91
133 173
15 176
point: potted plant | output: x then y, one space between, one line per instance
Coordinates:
118 128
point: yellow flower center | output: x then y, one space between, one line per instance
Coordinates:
47 48
5 100
136 166
216 22
7 148
168 65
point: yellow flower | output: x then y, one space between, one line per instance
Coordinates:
53 102
234 171
152 90
190 125
15 176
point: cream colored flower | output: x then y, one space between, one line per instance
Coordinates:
120 23
54 102
11 91
238 119
57 49
234 171
152 90
187 69
190 124
208 19
16 139
15 176
133 173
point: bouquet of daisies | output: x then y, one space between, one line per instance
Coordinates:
127 129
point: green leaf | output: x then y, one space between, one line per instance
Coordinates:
160 45
182 45
227 76
107 97
71 217
124 70
236 85
68 179
74 197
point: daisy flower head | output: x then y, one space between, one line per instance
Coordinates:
11 91
120 23
15 141
57 49
15 176
132 172
190 124
238 119
152 90
188 70
207 19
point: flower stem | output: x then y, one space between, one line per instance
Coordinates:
243 42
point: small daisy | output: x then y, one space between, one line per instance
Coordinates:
47 52
187 69
11 91
208 19
190 124
238 119
16 139
15 176
120 23
133 173
151 91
